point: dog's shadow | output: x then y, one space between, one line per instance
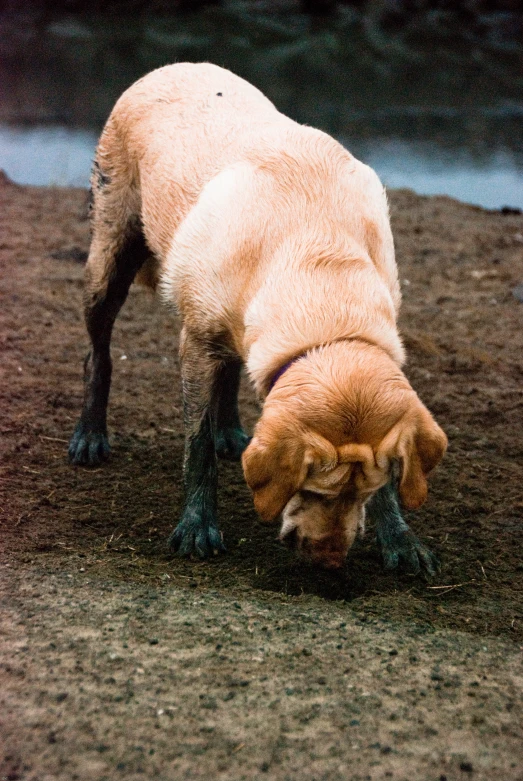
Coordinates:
142 484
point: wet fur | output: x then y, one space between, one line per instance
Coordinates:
272 242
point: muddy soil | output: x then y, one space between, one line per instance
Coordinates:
120 661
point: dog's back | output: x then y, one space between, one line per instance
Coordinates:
212 171
175 129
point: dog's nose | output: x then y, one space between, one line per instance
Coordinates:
331 561
327 556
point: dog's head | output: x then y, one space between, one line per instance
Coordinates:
316 459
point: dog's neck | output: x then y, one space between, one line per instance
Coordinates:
281 371
275 337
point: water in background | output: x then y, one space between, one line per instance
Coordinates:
437 113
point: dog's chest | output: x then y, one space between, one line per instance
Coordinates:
208 267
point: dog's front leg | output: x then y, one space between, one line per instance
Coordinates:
230 438
197 532
398 544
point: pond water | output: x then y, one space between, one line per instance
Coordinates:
436 113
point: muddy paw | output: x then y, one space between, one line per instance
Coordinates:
230 443
88 448
196 535
404 549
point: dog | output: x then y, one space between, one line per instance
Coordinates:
274 244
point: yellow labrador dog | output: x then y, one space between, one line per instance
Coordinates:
273 242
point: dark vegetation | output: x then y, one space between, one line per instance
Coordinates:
505 17
468 8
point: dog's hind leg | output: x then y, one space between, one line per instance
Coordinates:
230 439
398 544
118 250
106 293
197 532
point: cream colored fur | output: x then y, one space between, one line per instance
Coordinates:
263 230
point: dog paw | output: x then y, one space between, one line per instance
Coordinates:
88 448
196 535
404 549
230 443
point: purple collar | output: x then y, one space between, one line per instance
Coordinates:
283 369
287 365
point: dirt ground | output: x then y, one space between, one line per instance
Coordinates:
120 661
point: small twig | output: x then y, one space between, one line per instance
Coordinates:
446 589
54 439
238 748
451 585
500 512
450 588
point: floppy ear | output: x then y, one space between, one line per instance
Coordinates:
276 469
274 472
420 444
